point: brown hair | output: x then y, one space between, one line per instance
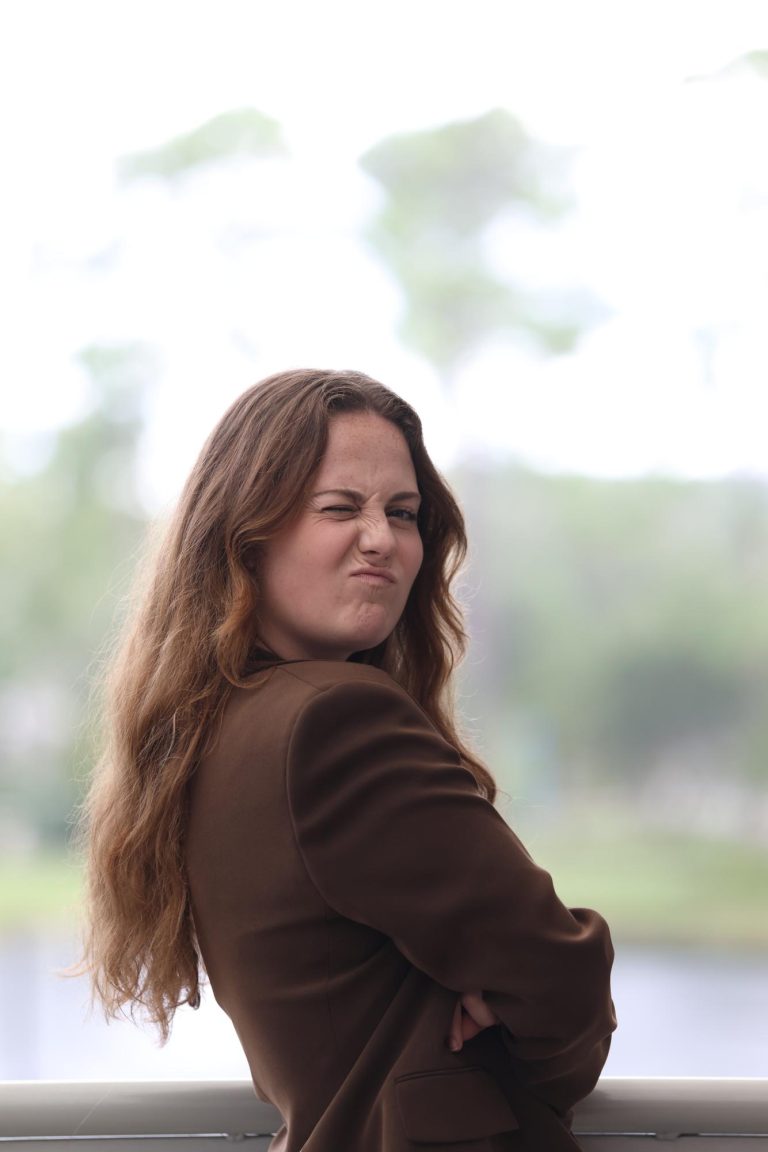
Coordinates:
192 637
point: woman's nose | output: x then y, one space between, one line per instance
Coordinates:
376 535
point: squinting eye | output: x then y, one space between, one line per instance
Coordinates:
403 514
339 508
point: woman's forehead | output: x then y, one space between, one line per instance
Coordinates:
364 445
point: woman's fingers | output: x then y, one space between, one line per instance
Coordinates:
456 1035
469 1028
476 1007
470 1016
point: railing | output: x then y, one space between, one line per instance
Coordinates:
621 1115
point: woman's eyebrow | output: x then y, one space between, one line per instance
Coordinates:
353 494
349 492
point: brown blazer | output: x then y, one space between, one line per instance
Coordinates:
348 880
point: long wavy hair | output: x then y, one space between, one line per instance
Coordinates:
192 637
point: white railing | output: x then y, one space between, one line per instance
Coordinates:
189 1116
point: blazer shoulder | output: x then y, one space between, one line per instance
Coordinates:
268 707
339 695
283 694
324 674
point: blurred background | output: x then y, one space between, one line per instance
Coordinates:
546 225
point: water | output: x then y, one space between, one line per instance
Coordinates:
681 1013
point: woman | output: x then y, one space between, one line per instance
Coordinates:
285 799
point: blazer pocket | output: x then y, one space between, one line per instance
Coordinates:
452 1104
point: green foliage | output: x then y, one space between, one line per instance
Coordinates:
457 177
43 889
67 535
242 132
624 626
659 887
443 190
64 528
758 61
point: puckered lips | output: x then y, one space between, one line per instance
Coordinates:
375 577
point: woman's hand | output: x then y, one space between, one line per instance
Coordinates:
471 1015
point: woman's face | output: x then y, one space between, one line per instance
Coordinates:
336 580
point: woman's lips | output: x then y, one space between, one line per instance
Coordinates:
374 576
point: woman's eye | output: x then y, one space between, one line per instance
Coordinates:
340 508
403 514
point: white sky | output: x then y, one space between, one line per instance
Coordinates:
258 267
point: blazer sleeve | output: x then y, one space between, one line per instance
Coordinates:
395 835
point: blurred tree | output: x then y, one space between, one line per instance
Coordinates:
242 132
66 533
629 628
758 61
449 194
444 188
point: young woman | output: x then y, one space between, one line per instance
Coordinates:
285 801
